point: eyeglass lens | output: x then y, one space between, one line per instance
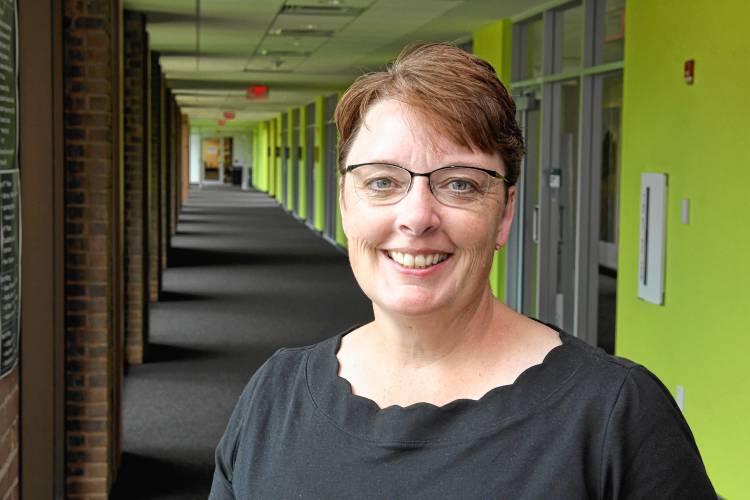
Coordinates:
381 184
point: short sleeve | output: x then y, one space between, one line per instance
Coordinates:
648 449
226 451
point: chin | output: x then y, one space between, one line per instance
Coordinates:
413 302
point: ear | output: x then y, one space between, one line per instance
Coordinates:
503 231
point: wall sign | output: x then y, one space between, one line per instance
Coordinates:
10 206
653 238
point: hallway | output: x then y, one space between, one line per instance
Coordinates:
243 279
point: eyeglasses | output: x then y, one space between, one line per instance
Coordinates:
454 186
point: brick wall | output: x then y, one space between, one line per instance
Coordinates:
184 158
163 176
89 90
155 186
9 436
174 157
136 187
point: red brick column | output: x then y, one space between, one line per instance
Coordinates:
91 107
136 186
184 158
155 186
9 435
174 161
163 175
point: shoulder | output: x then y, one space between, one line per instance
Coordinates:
283 372
647 449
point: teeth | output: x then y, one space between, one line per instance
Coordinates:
417 261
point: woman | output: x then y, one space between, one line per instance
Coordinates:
448 393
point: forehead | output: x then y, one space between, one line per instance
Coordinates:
392 131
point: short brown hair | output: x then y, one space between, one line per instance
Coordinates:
457 94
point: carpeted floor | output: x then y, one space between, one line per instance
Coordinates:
244 279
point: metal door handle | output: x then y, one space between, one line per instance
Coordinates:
535 224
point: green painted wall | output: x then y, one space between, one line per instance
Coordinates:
290 201
698 135
302 170
272 158
319 177
265 143
492 43
277 159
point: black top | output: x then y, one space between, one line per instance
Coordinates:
582 424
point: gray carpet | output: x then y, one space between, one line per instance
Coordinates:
244 279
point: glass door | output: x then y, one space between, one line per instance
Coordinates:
522 245
557 209
284 159
295 150
331 187
211 168
310 162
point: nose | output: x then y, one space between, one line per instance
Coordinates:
417 214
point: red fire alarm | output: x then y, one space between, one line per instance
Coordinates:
229 115
257 92
221 122
689 71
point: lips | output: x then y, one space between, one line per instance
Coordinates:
417 261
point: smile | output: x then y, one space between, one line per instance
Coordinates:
417 261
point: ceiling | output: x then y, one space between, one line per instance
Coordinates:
211 50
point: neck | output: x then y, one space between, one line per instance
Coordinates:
437 338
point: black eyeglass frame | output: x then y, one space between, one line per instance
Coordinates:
491 173
412 175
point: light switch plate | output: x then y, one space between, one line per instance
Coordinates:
685 211
679 397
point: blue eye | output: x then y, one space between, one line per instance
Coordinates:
381 184
461 186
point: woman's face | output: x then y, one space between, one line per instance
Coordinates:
383 240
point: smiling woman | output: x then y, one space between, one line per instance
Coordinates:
448 393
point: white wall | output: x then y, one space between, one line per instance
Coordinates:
195 158
242 150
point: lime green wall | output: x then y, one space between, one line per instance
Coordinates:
319 177
290 201
492 43
278 152
302 169
260 157
272 158
697 135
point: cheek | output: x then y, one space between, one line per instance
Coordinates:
365 229
478 237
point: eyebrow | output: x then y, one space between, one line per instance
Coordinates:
450 164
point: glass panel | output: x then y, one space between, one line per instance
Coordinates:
568 39
614 31
521 248
563 193
531 43
611 111
611 140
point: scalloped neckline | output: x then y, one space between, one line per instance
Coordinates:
422 423
345 385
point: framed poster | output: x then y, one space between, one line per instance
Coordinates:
10 207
